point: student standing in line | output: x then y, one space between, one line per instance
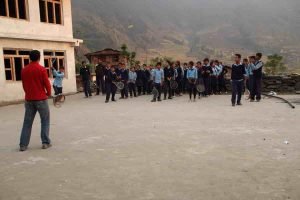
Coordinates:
124 76
86 78
131 82
100 71
192 76
184 81
169 75
237 79
207 71
200 78
111 88
214 78
179 78
158 78
257 78
221 79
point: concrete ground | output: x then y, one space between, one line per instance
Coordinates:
137 150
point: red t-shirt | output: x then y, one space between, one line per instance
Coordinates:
36 83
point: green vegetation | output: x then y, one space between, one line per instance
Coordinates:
275 65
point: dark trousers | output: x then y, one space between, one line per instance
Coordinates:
221 84
206 82
158 87
167 89
31 108
184 85
111 90
249 83
100 85
124 92
145 87
57 90
192 90
214 85
237 90
180 87
132 89
87 88
256 89
149 87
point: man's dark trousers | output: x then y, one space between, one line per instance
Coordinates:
237 89
256 89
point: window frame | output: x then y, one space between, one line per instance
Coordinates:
12 57
17 11
54 2
49 59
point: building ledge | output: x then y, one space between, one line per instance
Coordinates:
74 41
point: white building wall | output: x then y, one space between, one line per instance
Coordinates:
12 91
34 28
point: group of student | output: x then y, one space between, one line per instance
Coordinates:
142 80
147 80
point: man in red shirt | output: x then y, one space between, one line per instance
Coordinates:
37 89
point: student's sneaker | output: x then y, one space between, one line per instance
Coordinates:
23 148
233 105
106 101
46 146
159 100
154 100
114 100
239 104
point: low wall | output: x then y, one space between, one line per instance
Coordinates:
288 84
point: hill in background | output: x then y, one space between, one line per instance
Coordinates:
191 28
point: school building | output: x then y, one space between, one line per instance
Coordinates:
44 25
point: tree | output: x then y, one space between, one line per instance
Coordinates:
275 65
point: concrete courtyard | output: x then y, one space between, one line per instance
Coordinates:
137 150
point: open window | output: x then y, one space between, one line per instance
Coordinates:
51 11
14 9
14 61
55 59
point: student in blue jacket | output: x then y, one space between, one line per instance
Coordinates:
58 80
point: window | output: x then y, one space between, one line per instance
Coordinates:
51 11
54 59
13 8
14 61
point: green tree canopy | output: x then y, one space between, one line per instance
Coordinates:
275 65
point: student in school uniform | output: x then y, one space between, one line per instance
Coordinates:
158 78
248 72
200 78
57 83
207 71
257 78
169 74
147 79
139 80
214 78
237 79
221 78
86 78
100 71
192 76
179 78
111 88
131 82
124 78
185 81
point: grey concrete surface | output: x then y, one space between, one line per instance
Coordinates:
137 150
